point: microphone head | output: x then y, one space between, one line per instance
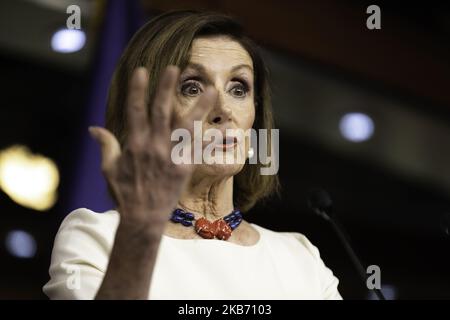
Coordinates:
445 223
320 201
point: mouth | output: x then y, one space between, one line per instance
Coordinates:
227 143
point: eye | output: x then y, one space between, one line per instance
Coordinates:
239 90
191 88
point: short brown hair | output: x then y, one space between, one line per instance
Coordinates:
166 40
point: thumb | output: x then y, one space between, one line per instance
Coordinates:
110 148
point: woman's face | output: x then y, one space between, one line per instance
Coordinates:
224 64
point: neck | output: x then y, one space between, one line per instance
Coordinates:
209 199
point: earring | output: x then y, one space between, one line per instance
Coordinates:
250 152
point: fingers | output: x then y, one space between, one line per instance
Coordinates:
201 109
110 148
136 107
164 100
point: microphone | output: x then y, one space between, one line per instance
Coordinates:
319 201
445 223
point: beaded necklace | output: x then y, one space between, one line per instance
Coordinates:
220 228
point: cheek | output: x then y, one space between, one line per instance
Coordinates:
246 115
183 106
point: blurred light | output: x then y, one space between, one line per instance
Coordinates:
21 244
356 127
28 179
68 40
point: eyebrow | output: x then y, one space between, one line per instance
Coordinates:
242 66
200 68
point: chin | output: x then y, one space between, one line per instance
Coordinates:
219 170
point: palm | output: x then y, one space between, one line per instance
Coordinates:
144 180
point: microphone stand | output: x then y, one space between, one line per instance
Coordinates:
356 262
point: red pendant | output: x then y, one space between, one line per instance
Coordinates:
207 230
223 230
204 228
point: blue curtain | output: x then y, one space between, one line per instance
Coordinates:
122 19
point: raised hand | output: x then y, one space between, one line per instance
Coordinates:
145 182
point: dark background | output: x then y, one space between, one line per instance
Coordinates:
389 192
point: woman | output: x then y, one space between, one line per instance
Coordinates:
208 71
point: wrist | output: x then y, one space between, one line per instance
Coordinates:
148 231
151 217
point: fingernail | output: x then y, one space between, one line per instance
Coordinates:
141 73
172 69
92 131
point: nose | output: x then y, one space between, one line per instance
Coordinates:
220 113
